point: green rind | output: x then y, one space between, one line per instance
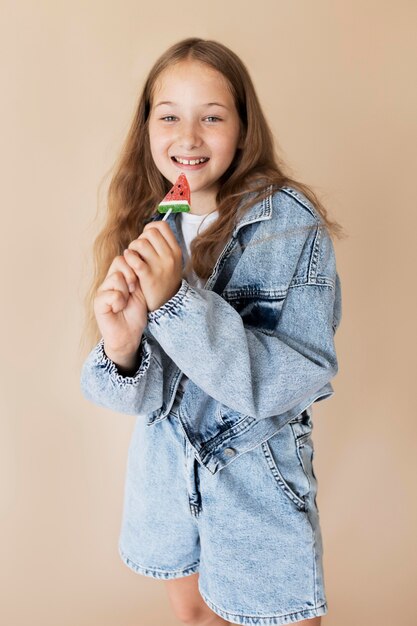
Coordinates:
176 208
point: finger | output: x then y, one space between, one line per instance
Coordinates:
166 231
157 239
119 265
150 244
109 302
116 282
144 249
138 265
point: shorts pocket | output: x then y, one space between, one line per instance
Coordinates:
289 455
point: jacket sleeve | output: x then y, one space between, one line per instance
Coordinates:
104 385
256 373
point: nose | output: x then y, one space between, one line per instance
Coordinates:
190 136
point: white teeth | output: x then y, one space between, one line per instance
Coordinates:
191 162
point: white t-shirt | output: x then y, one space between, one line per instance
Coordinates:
191 225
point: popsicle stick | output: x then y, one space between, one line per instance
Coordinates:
166 214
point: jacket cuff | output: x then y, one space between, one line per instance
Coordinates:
102 360
170 307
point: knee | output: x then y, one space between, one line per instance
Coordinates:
191 616
197 616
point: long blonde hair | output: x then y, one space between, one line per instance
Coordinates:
137 186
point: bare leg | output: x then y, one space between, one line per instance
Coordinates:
188 605
190 608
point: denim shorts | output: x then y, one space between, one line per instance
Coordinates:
251 530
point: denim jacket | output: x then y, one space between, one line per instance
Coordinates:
257 342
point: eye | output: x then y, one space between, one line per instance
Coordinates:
213 118
168 118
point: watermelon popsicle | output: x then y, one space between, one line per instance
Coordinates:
177 199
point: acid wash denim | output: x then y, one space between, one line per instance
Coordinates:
257 342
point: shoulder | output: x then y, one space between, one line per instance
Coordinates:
297 219
281 210
295 207
282 243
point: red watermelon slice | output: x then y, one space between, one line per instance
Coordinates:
178 197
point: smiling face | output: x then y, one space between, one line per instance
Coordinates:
194 128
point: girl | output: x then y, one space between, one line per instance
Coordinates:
216 329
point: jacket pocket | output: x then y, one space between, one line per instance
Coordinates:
289 459
260 308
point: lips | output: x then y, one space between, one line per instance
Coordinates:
190 160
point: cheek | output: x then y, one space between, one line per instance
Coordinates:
228 145
156 137
154 150
158 144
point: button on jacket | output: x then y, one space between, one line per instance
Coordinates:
257 342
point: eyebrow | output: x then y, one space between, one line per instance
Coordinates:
209 104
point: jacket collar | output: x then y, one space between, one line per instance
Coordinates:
262 210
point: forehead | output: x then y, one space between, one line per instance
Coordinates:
192 79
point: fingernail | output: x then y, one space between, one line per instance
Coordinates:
132 287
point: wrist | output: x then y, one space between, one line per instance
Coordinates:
125 361
158 303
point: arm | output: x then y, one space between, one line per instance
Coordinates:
105 384
251 371
124 370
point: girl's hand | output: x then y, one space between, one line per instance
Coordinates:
121 312
156 259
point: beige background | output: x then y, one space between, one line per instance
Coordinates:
337 81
